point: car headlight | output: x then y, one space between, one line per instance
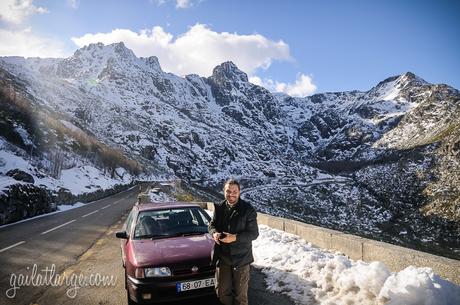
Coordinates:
157 272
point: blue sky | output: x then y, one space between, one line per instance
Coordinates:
297 47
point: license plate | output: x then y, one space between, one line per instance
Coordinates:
191 285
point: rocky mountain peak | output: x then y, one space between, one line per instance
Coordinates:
100 51
89 48
153 63
402 81
121 49
395 87
410 79
228 71
91 60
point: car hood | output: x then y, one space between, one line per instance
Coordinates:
172 251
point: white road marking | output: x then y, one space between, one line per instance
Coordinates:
90 213
64 224
105 207
117 201
12 246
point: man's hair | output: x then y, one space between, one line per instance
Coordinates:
232 181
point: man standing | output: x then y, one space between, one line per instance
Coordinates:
233 227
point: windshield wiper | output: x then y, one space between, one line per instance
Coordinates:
158 236
190 233
154 236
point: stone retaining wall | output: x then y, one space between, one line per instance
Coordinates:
396 258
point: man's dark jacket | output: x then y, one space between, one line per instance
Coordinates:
242 222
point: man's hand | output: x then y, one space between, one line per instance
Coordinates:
229 238
216 237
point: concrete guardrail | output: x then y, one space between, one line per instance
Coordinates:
396 258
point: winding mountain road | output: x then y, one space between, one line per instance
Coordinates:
296 185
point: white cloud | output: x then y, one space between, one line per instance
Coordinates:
183 3
180 4
303 85
25 43
73 3
16 11
256 81
198 50
158 2
19 41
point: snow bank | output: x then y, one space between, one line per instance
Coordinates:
313 276
66 207
6 181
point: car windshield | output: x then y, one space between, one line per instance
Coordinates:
171 222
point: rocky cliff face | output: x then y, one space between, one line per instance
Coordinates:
382 163
443 189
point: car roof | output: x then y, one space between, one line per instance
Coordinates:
162 205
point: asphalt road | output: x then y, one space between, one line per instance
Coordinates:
79 245
57 239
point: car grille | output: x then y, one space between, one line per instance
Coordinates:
186 271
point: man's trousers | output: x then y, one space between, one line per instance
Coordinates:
232 284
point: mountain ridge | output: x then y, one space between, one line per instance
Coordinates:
205 129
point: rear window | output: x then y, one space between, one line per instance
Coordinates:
171 222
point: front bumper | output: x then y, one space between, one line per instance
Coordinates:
164 290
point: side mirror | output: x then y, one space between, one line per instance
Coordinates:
122 235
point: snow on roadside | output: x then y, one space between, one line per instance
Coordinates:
66 207
6 181
60 209
313 276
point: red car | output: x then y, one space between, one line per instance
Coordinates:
166 253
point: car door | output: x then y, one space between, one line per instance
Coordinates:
127 228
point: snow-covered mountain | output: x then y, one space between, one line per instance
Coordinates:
375 163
